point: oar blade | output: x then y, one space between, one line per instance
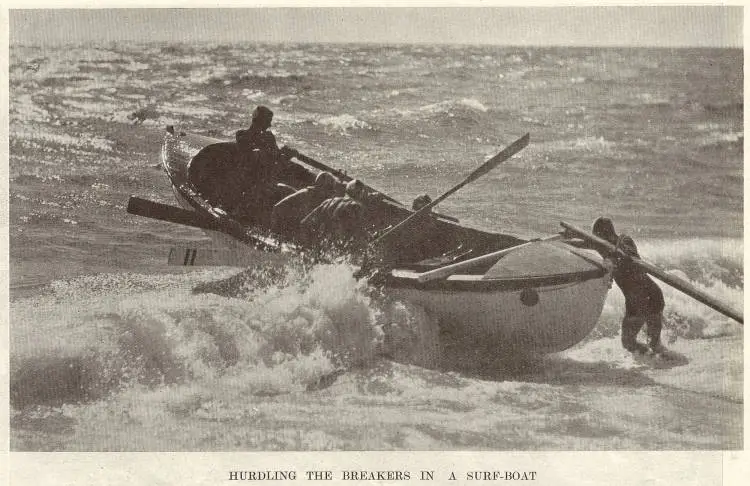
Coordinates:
504 155
507 153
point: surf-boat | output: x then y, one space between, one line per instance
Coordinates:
528 296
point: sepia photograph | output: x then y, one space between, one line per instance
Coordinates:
309 228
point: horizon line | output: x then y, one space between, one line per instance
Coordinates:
24 43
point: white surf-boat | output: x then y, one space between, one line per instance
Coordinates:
523 296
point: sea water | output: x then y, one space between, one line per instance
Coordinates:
111 349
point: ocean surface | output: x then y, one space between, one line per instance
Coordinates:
114 350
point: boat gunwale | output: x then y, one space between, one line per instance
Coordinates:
498 284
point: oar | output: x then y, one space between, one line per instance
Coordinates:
507 153
172 214
453 269
319 165
657 272
338 173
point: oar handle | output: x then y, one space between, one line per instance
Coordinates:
395 229
164 212
337 173
453 269
657 272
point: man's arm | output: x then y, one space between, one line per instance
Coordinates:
268 141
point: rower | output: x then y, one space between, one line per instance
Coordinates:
341 220
289 212
258 136
421 242
260 164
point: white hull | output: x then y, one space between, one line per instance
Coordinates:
563 316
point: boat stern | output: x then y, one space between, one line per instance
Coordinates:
542 298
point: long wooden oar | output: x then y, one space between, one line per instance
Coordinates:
339 174
657 272
345 178
453 269
172 214
507 153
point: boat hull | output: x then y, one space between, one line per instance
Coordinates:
539 298
562 316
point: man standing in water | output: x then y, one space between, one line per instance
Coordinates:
644 301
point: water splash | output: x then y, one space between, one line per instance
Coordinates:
279 332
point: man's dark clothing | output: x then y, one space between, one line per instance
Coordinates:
252 139
338 220
289 212
642 296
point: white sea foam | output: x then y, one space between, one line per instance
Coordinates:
449 107
285 100
82 141
206 74
473 104
343 123
717 137
276 339
252 94
588 144
651 99
197 111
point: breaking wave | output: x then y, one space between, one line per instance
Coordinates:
598 145
282 331
448 107
723 140
275 329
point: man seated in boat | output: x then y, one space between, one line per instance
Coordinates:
288 213
258 136
420 241
341 221
261 161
